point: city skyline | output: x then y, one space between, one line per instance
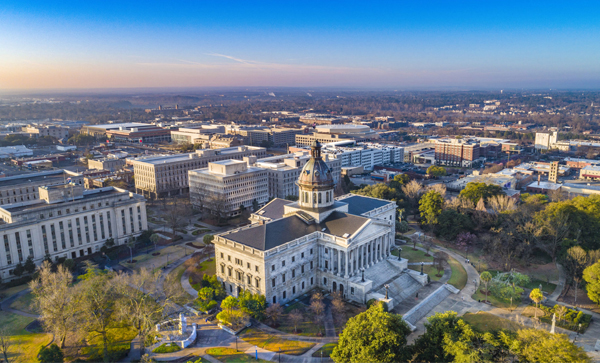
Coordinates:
404 45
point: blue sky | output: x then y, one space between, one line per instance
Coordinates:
399 44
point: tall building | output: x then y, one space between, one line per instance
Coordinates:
457 152
553 174
24 188
283 172
367 155
36 131
166 175
232 183
545 140
318 241
68 221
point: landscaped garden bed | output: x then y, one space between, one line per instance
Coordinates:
566 318
273 343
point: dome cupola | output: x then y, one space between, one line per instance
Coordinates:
316 181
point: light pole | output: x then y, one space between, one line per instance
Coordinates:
422 263
279 355
236 348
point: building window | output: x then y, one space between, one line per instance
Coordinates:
325 281
352 291
293 290
248 265
256 280
221 254
302 269
272 267
273 282
284 294
302 285
19 249
229 258
282 277
311 251
283 263
311 265
256 268
326 265
274 299
229 271
293 273
223 269
302 255
7 249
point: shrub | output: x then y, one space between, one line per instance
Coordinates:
167 348
51 354
570 320
402 227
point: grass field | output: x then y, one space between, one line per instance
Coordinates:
499 303
229 355
24 345
207 267
121 338
459 275
326 350
306 328
23 303
429 270
412 255
487 322
169 254
12 290
273 343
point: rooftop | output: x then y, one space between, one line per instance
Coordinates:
544 185
358 204
87 195
24 179
276 233
273 209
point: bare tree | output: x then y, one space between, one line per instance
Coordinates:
5 342
142 302
439 188
217 205
131 246
337 303
274 313
296 318
427 245
575 262
501 203
96 298
413 191
53 299
440 260
318 309
177 213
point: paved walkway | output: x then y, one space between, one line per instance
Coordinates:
185 279
562 278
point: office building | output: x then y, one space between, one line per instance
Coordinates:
545 140
111 164
24 188
67 221
166 175
36 131
232 182
457 152
367 155
283 172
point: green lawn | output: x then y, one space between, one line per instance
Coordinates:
306 328
429 270
499 303
546 287
207 267
229 355
459 275
484 322
24 345
24 303
413 255
326 350
178 272
121 341
12 290
273 343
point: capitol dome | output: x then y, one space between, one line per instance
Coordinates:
316 181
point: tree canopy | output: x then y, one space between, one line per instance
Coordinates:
475 191
430 206
373 336
436 171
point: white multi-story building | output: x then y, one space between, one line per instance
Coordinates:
167 175
67 221
367 155
284 170
233 181
545 140
318 241
24 188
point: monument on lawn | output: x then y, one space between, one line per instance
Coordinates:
553 323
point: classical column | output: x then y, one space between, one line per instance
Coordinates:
339 266
348 264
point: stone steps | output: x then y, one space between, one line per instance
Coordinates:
401 288
424 307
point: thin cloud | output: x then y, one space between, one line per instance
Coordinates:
231 58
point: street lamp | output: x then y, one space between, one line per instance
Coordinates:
279 355
236 348
422 263
363 274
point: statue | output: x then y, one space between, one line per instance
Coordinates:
422 268
553 323
399 253
386 291
363 275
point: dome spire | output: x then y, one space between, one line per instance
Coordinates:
315 149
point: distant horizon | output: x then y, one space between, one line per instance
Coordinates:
428 45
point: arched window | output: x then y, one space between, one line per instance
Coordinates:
320 198
327 197
314 200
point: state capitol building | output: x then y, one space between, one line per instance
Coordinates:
318 241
